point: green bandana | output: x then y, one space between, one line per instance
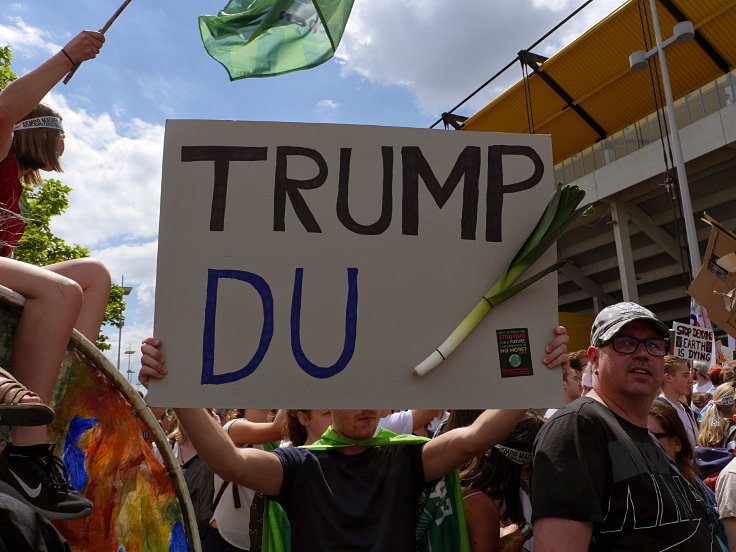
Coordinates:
331 440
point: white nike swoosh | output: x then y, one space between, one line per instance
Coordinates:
33 493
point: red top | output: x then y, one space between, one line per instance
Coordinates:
12 225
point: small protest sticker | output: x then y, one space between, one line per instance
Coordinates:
513 352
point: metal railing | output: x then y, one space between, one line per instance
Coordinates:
688 109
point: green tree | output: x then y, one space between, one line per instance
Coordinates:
6 75
39 246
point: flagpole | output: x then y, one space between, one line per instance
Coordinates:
102 30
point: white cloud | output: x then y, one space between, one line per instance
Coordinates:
328 111
444 51
137 262
25 39
330 105
114 171
554 5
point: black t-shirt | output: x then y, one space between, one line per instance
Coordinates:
363 502
593 466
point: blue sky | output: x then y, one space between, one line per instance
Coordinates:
399 64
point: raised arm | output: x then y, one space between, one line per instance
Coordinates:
249 467
253 468
245 432
450 450
22 95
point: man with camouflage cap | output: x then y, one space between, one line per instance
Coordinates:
601 481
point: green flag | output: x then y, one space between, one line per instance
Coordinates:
264 38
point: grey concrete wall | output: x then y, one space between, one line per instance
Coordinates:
699 138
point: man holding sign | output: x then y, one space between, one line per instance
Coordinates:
359 492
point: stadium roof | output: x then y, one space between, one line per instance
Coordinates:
587 91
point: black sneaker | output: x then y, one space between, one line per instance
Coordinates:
40 479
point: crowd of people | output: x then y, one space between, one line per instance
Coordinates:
629 463
637 459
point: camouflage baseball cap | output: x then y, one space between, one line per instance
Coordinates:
611 319
702 367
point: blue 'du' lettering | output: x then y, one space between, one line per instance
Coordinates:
208 350
351 327
264 291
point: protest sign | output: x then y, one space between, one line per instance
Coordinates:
693 342
714 286
724 354
313 266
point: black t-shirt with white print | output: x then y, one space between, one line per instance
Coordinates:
593 466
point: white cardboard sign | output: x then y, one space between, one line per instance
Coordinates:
314 265
693 342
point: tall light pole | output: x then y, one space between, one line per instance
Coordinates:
126 291
130 352
682 32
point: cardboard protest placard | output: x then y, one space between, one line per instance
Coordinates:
724 354
314 265
693 342
715 285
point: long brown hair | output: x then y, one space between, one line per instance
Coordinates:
35 148
717 419
293 429
498 476
671 423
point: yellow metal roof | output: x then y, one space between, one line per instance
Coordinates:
594 72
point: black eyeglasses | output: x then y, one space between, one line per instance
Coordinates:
626 345
662 435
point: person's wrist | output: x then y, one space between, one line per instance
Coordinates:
68 57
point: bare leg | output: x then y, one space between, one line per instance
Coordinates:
53 303
94 279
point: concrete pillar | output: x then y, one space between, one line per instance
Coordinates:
623 251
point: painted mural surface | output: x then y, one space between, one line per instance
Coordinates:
99 436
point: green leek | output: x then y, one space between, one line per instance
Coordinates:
561 211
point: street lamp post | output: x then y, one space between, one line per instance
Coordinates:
126 291
130 352
682 32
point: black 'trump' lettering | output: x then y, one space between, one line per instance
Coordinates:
496 188
290 186
343 206
415 166
221 155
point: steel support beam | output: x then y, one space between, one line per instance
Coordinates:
707 47
655 233
529 59
586 284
